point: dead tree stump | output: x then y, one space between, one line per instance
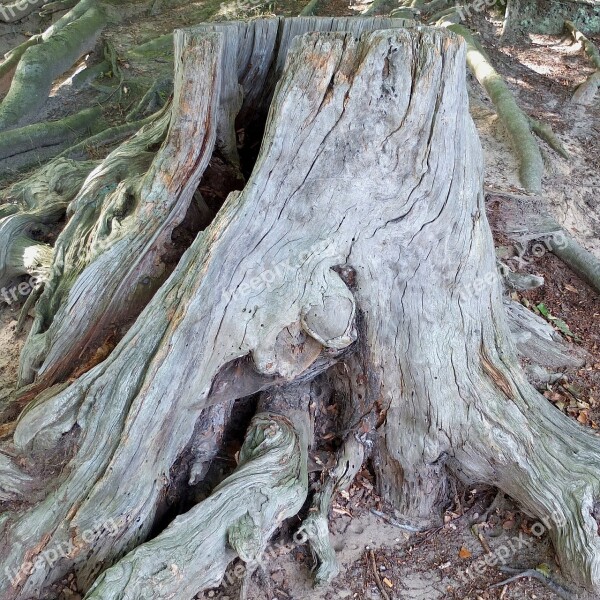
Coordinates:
357 239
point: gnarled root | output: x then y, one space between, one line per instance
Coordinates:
35 203
575 256
85 236
315 528
27 145
269 485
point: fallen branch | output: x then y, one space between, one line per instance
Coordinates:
378 581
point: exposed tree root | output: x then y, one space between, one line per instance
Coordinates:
96 212
544 131
52 7
41 63
377 7
128 218
511 13
59 180
519 281
40 201
575 256
316 526
154 99
310 9
403 13
434 6
89 147
586 92
14 484
531 164
10 61
23 146
238 519
445 15
538 342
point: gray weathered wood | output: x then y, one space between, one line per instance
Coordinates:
87 298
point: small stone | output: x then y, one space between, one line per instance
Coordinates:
278 577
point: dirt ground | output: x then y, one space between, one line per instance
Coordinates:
379 557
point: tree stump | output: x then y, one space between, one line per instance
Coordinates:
353 255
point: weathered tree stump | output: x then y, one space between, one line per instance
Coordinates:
125 214
357 239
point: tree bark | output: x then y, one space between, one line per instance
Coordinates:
357 239
86 301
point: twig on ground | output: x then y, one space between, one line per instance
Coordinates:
393 522
378 581
534 574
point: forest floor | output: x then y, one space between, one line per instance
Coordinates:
378 556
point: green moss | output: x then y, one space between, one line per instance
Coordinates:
531 164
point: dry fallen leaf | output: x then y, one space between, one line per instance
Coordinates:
464 553
571 288
341 511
